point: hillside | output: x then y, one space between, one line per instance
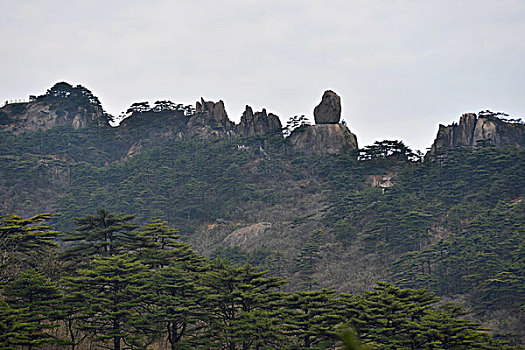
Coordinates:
311 208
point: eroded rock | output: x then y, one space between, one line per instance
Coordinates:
260 123
329 110
473 128
322 139
210 120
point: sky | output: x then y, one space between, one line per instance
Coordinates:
401 67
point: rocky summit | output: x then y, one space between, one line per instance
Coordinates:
322 139
328 135
474 128
260 123
143 125
329 110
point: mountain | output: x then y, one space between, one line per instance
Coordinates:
310 207
473 128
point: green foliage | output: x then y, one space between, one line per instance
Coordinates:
31 299
395 150
311 318
241 306
113 289
24 243
103 234
390 317
308 257
134 292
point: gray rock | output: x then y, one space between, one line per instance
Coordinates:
31 116
210 120
322 139
473 128
260 123
329 110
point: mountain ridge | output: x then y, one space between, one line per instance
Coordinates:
209 119
342 219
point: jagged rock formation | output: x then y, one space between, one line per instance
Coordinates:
329 110
473 128
259 123
210 120
321 139
145 125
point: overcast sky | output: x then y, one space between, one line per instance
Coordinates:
401 67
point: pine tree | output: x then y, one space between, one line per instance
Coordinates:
241 306
114 291
24 242
308 258
311 318
32 300
388 316
103 234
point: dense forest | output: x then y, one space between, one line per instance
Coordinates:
121 285
246 243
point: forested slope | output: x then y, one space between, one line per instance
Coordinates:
344 221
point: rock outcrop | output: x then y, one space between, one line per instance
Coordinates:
473 128
243 236
327 136
62 104
25 117
259 123
329 110
322 139
210 120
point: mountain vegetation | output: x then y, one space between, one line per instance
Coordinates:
131 286
153 237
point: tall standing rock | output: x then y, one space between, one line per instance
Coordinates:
327 136
329 110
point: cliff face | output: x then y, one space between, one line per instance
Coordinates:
20 118
322 139
473 128
61 104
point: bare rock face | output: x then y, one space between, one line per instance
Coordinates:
473 128
329 110
243 236
25 117
259 123
322 139
210 120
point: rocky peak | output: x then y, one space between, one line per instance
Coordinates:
62 104
327 136
215 110
260 123
328 111
484 126
210 120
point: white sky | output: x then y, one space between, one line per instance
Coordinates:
401 67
